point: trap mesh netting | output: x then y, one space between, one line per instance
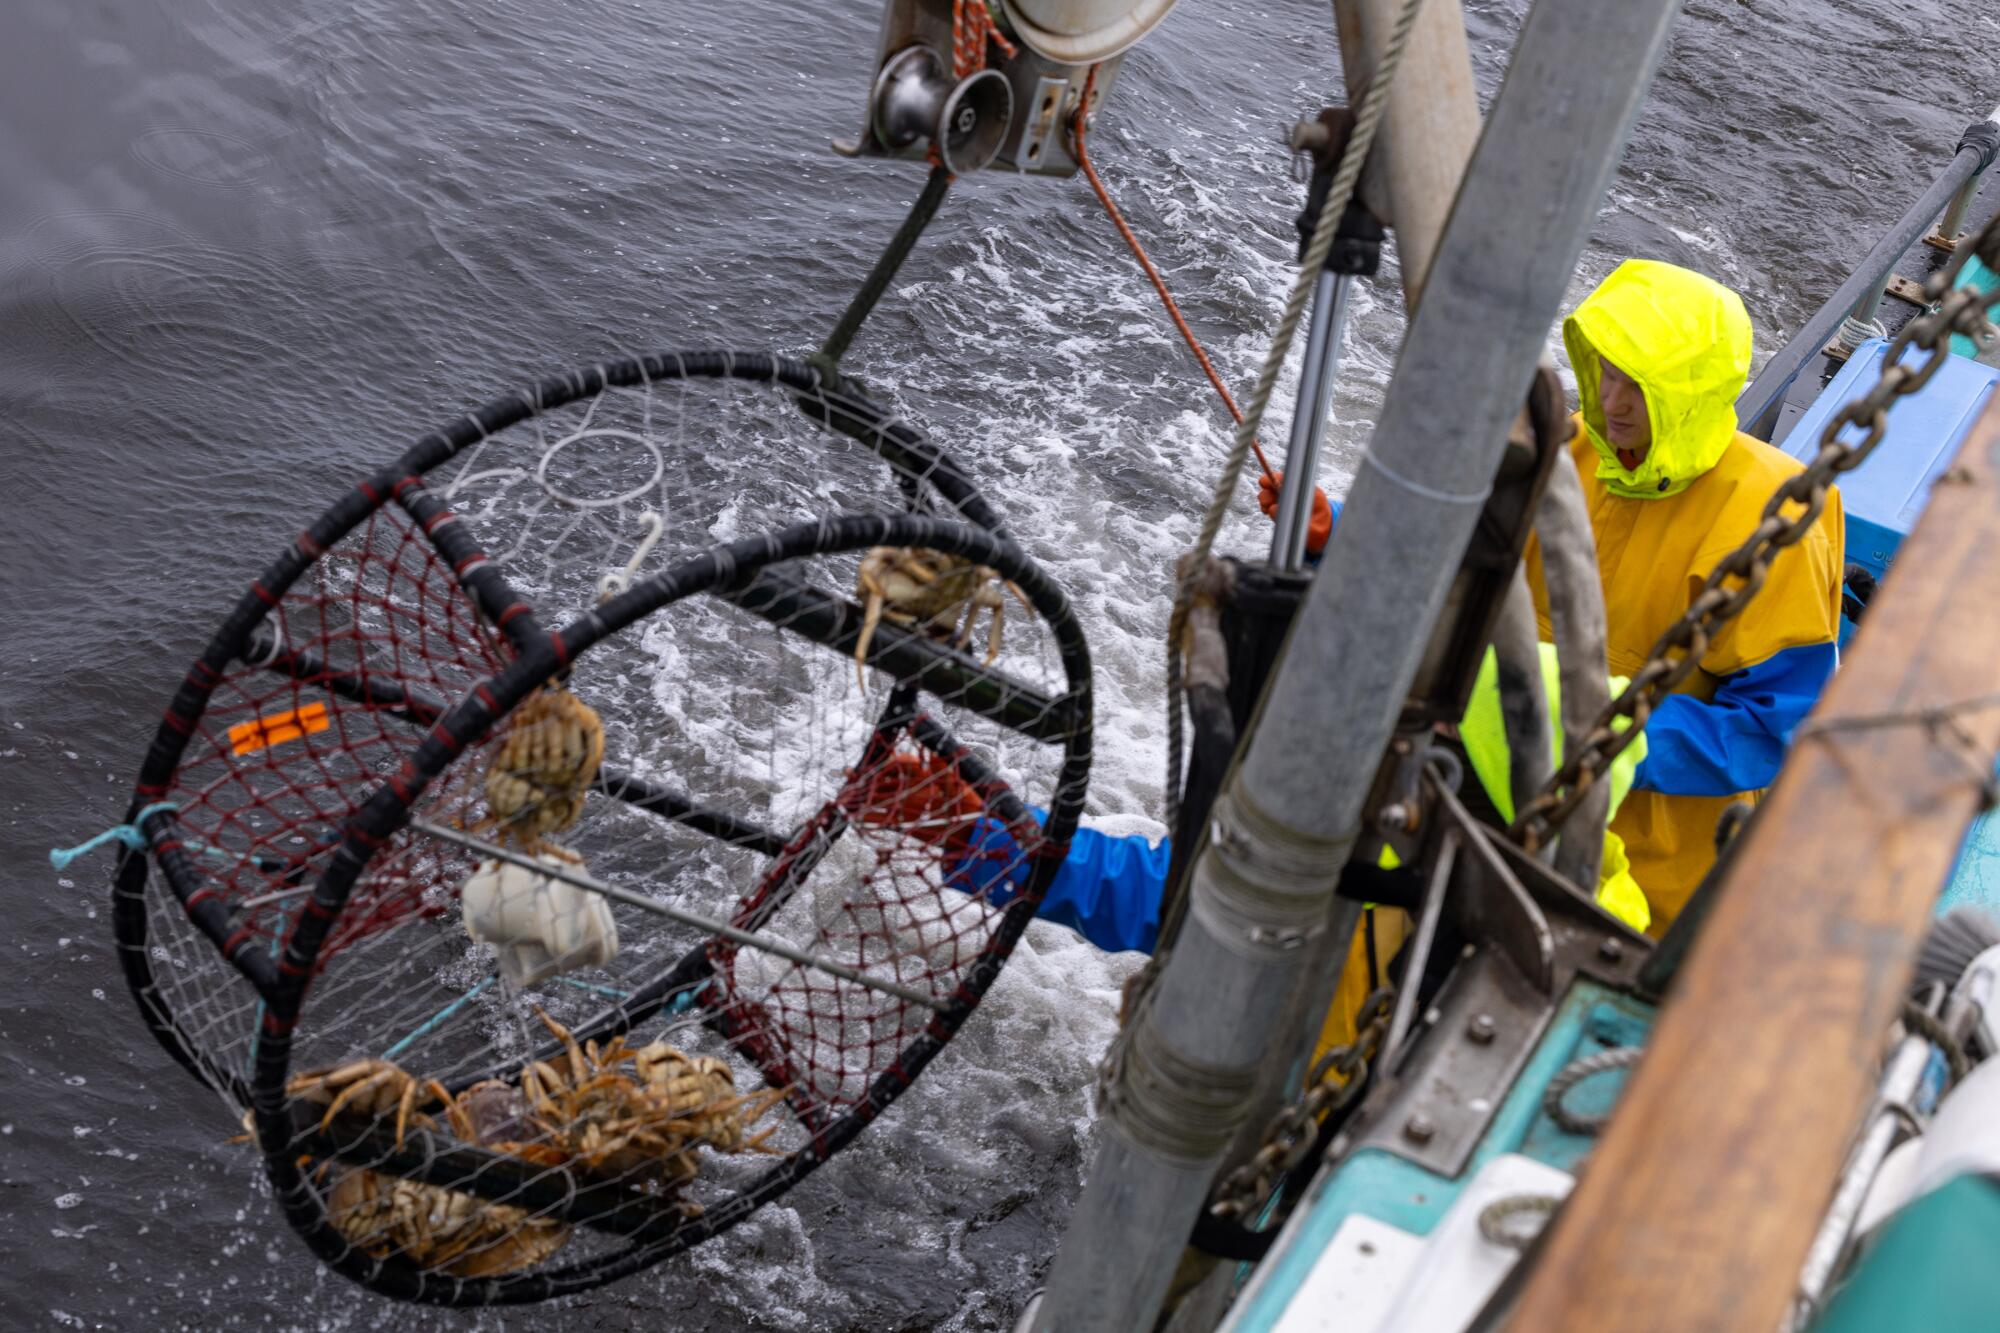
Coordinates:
597 817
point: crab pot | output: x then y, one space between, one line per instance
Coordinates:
553 885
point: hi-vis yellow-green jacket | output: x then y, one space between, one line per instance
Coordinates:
1660 528
1484 735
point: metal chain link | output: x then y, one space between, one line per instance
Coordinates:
1294 1131
1740 575
1923 1023
1496 1219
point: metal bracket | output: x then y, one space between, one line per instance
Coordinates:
1492 904
1441 1086
1477 1034
1357 243
1597 942
1393 815
1012 114
1907 290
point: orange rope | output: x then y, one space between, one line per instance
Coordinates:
1159 283
972 27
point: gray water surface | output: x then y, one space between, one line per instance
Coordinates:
248 254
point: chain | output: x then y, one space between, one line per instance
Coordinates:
1294 1131
1738 577
1923 1023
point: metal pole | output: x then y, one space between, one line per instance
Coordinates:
1757 408
1865 309
1899 1084
1952 225
1287 821
711 925
1316 380
1432 123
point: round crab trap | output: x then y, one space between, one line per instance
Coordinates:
549 873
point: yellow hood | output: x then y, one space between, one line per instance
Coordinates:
1685 339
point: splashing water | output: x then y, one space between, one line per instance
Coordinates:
247 257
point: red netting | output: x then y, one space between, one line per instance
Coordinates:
524 986
372 640
905 875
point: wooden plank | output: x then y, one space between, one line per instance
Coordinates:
1696 1210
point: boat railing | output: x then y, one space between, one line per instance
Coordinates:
1861 295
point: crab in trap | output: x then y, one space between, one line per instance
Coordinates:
545 765
640 1116
535 785
929 590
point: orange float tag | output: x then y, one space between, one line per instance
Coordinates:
263 732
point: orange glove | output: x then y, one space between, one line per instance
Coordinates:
1318 528
921 794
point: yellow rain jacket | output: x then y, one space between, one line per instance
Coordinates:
1660 529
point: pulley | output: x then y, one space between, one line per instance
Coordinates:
916 101
1080 32
994 83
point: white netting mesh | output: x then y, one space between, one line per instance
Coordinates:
731 768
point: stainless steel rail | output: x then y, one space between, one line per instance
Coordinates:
1951 193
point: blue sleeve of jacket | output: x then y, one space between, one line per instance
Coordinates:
1736 741
1108 889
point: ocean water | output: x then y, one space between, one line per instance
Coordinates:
246 256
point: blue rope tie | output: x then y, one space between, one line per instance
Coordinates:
127 834
685 1000
430 1024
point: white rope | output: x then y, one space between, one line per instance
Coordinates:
1368 118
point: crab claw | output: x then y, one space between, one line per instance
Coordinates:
871 617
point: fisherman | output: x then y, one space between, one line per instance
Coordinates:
1660 354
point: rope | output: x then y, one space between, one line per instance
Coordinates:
431 1024
1374 102
129 836
1854 332
1575 1072
827 359
608 992
972 27
1495 1216
1146 263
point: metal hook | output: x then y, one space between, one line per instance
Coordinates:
620 579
